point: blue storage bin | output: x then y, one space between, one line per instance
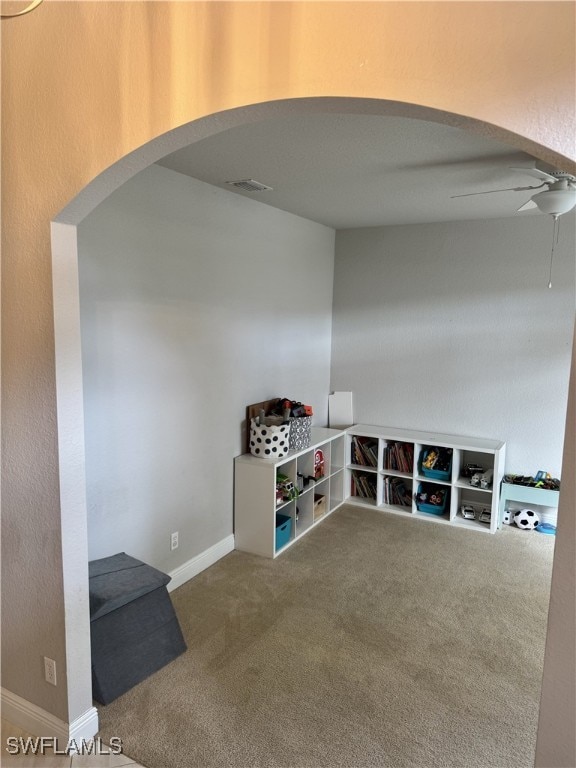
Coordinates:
436 474
283 530
432 509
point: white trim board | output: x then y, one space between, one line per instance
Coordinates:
37 722
340 410
197 564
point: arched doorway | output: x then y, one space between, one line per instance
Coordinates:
67 335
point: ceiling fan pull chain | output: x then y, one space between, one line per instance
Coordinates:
555 235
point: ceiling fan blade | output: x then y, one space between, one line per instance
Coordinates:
486 162
489 191
542 175
528 206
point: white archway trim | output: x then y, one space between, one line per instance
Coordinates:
73 514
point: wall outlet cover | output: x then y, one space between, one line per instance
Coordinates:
50 670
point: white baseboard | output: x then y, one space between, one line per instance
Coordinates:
37 722
84 727
197 564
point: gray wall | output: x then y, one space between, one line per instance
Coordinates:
194 303
451 327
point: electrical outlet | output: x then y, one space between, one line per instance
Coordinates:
50 670
174 540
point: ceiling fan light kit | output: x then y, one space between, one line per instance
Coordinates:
559 198
556 202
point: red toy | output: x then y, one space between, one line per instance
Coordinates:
318 465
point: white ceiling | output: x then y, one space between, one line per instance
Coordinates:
350 171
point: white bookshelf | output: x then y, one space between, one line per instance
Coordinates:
255 504
366 485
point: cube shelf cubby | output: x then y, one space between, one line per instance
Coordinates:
255 503
394 461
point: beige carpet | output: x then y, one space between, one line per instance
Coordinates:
374 641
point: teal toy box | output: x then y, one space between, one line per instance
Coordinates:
283 530
432 498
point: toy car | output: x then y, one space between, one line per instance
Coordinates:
467 512
471 469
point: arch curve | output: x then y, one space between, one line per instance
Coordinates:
117 174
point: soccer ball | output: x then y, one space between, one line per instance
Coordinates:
526 519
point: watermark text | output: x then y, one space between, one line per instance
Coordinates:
43 745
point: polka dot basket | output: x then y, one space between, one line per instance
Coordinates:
269 442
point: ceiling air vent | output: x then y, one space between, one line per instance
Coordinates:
249 185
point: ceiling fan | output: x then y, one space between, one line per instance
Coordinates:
557 199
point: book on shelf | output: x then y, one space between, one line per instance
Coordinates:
399 456
363 485
364 451
396 493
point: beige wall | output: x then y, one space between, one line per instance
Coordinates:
556 744
84 83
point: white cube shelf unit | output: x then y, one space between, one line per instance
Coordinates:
384 471
255 504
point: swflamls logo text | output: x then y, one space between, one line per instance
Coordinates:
43 745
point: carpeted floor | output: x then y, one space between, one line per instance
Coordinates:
375 641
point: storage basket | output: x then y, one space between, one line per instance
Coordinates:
300 432
436 474
283 530
269 442
319 506
430 490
